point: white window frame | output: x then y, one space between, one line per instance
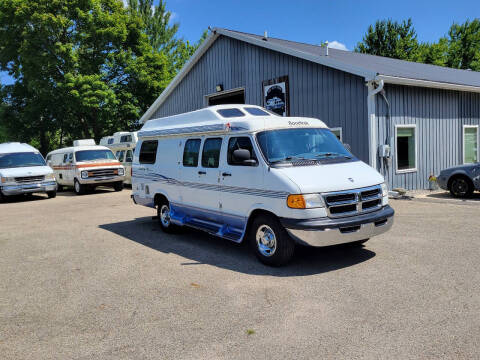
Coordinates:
403 171
463 141
341 132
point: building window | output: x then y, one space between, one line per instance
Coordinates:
338 133
470 144
211 152
190 152
148 152
406 147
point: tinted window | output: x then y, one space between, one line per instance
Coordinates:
126 138
148 152
121 155
228 113
190 152
239 143
89 155
110 141
256 111
211 152
129 156
13 160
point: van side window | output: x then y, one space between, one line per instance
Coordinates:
120 155
191 152
65 158
70 157
126 138
236 143
211 152
129 156
148 152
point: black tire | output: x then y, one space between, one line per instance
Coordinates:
2 197
118 186
276 251
164 221
60 188
51 194
460 187
78 188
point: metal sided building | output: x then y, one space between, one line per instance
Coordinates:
428 115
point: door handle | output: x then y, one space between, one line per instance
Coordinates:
202 173
226 174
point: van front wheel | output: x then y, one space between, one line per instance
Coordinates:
118 186
78 188
270 241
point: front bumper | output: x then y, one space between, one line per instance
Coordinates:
442 181
326 231
19 189
102 180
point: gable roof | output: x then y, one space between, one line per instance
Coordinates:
370 67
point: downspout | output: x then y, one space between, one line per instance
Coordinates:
372 128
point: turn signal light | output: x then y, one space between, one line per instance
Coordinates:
296 202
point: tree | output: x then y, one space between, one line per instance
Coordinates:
464 45
82 68
390 39
434 53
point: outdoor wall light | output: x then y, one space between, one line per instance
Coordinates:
219 87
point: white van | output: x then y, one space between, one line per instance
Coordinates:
23 171
239 172
86 166
122 144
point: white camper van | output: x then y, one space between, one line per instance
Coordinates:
122 144
86 166
23 171
239 172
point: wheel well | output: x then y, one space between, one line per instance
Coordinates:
159 199
254 214
456 176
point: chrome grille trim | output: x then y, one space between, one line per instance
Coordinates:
29 179
102 173
338 200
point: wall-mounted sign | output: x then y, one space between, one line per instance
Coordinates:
275 95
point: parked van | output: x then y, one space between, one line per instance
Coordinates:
123 145
239 172
86 166
23 171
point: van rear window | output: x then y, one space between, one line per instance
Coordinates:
148 152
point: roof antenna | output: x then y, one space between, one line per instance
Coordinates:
265 35
326 45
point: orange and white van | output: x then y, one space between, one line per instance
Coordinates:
85 166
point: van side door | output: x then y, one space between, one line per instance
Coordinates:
241 182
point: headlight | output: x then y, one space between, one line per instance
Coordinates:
305 201
84 174
121 172
50 176
384 189
7 179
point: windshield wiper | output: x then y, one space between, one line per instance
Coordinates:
287 158
332 154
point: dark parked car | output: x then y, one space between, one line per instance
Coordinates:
460 180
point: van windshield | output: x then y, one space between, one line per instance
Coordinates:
294 144
22 159
92 155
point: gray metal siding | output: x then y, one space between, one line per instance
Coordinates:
336 97
439 116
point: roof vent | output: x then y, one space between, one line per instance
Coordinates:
326 46
265 35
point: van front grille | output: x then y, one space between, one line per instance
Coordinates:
353 202
102 173
29 179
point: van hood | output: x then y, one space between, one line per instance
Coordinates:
26 171
332 177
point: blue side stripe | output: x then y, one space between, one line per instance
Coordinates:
213 187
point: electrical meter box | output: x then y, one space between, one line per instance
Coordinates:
384 151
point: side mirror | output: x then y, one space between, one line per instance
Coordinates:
241 155
348 147
49 163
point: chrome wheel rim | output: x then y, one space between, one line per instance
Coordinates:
266 240
165 215
460 187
